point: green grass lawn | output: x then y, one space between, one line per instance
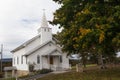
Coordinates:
9 79
107 74
89 65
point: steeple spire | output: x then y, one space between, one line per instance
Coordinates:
44 21
44 31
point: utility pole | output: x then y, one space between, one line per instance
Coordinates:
1 57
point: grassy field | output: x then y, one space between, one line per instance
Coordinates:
107 74
9 79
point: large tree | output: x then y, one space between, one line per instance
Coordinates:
89 26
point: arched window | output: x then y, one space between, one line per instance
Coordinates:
60 59
14 60
45 29
21 59
17 60
26 60
38 59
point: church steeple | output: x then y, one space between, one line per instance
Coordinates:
44 21
44 31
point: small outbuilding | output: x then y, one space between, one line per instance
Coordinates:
13 70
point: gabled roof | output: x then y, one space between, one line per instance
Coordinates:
50 52
25 44
28 42
37 48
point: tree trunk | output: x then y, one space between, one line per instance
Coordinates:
100 62
84 61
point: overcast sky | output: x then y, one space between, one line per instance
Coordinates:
20 19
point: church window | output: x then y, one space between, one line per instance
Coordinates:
61 59
17 60
14 60
45 29
60 45
26 60
38 59
21 59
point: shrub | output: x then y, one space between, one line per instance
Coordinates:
25 76
43 71
31 67
1 75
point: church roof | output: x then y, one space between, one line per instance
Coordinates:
29 41
38 47
25 44
51 52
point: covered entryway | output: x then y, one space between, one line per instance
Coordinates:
52 60
55 63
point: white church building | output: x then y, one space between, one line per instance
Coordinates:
42 51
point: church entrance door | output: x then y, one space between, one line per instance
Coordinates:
51 60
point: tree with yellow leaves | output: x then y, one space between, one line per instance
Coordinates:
89 26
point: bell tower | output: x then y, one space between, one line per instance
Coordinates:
44 31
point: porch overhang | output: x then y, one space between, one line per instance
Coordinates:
54 52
